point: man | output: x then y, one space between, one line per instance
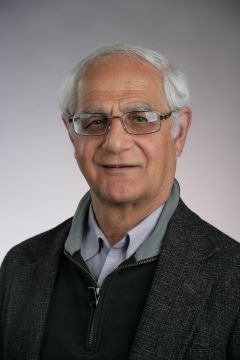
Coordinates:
135 274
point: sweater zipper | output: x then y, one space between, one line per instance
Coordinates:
83 268
140 262
95 293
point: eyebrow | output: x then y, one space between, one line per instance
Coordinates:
129 108
138 108
93 111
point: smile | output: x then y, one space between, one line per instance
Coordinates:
113 166
119 168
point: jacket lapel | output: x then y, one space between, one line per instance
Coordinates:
181 284
37 276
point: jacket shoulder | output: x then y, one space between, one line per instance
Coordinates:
206 233
38 245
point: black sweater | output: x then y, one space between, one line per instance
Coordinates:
83 324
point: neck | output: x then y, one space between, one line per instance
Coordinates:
115 220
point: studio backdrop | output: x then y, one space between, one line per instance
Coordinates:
41 41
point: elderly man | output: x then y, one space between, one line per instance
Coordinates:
135 274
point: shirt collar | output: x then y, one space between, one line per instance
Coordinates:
133 239
91 242
142 231
95 239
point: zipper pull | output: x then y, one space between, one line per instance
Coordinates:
95 295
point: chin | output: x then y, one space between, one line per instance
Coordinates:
119 198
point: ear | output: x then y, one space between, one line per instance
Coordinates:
185 120
66 124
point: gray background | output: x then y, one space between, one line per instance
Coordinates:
42 40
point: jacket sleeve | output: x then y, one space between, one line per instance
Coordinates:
233 350
7 271
3 282
1 312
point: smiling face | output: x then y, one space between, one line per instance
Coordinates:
119 167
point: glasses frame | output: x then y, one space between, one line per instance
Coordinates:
161 117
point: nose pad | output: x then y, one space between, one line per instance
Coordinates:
117 118
117 139
121 121
115 124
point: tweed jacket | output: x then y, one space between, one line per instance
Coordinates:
192 309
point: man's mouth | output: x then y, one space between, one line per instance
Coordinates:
117 166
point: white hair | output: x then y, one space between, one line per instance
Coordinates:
174 82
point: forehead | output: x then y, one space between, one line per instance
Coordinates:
123 79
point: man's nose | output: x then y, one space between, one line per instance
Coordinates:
117 139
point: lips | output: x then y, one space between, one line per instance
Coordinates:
117 166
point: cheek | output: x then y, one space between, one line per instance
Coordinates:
161 157
84 152
80 151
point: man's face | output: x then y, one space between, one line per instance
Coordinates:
120 167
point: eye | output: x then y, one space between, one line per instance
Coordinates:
137 118
140 119
145 117
94 121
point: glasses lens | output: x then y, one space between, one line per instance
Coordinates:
90 124
142 122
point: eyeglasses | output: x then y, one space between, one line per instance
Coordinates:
134 122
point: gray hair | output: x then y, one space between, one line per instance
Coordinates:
174 82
